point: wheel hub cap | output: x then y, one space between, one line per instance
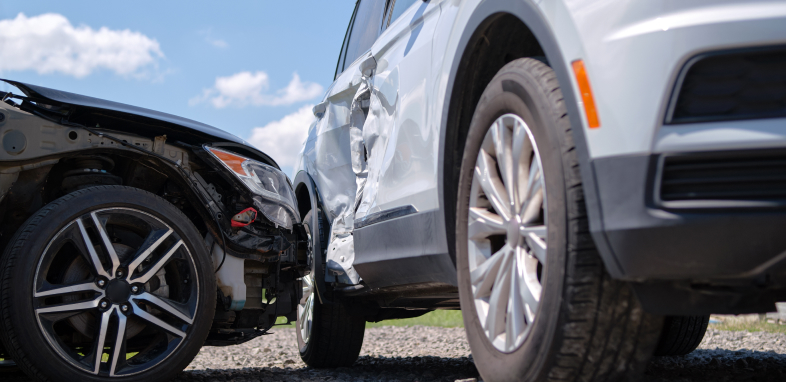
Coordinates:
118 291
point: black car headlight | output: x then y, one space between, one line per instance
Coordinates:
272 190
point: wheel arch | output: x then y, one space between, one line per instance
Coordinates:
308 198
530 35
36 185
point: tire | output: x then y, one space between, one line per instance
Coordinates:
585 325
681 335
151 298
335 337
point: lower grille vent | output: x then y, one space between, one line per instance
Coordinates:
738 176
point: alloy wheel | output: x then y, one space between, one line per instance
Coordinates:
305 310
116 292
507 232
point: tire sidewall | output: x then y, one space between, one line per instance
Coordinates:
528 102
20 313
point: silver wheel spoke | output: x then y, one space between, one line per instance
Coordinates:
515 320
495 191
535 206
150 272
537 230
520 146
149 250
537 246
118 349
483 224
69 289
498 302
101 339
529 287
502 137
162 304
304 312
141 313
306 294
75 307
97 266
110 249
533 179
483 276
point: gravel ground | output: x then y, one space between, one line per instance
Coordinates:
441 354
389 353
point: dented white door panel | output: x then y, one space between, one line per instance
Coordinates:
400 142
331 156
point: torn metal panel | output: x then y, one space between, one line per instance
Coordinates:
335 156
341 250
381 114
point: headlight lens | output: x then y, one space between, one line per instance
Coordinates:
274 197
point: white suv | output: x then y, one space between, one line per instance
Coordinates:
565 172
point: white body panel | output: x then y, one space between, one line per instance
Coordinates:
633 51
400 135
634 54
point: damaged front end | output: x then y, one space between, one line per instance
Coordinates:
265 243
237 197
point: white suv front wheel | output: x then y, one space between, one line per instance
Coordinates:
538 303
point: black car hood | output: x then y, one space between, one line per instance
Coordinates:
111 115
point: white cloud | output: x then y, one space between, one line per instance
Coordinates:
217 42
246 88
283 139
49 43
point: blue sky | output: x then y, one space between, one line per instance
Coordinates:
227 64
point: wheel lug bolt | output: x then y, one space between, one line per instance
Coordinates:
119 274
134 289
104 304
101 283
124 308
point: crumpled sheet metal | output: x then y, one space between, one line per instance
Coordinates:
351 139
381 113
335 159
350 145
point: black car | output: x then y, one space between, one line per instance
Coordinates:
131 238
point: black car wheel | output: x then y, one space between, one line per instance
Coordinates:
327 334
681 335
538 304
106 283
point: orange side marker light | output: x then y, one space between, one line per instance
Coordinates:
234 162
586 94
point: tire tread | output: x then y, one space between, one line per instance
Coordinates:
681 335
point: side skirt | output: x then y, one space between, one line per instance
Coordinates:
409 249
